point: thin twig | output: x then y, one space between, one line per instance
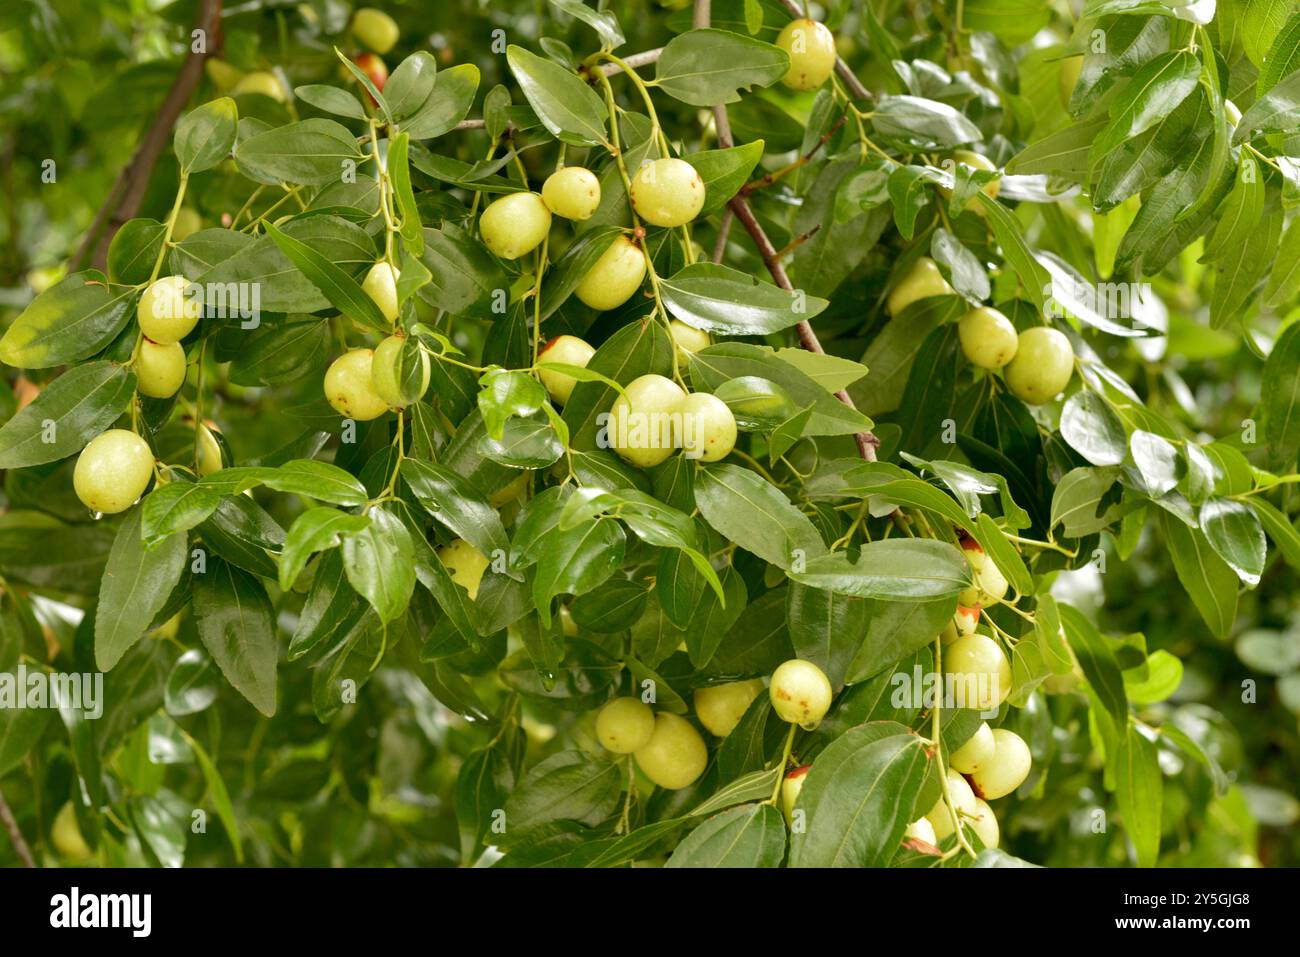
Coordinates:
806 158
15 834
724 230
867 442
128 191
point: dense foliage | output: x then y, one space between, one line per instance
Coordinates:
986 342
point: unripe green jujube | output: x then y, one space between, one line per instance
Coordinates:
159 368
688 340
720 707
572 192
375 29
165 312
466 564
380 285
963 799
921 830
349 388
1006 770
708 427
386 373
800 692
988 584
66 837
261 82
113 471
811 46
615 277
988 339
791 787
1042 367
515 225
625 725
642 425
977 750
922 281
667 192
675 755
985 824
977 671
565 350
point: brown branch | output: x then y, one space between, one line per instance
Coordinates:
773 176
128 191
842 69
15 834
867 442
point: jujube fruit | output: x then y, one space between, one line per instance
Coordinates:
675 755
791 788
963 799
113 471
977 672
380 285
988 339
166 311
642 424
572 192
922 281
159 368
811 46
66 836
977 750
800 692
1006 770
565 350
393 376
267 84
515 224
349 388
708 427
465 563
625 725
720 707
667 192
1042 367
615 277
375 29
985 823
688 340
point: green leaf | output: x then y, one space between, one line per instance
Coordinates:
711 367
134 250
1138 791
380 563
746 509
1209 581
206 134
411 84
1097 659
724 172
457 504
343 292
1234 531
602 21
136 584
313 152
1093 430
176 507
71 320
752 835
568 108
220 795
708 67
315 530
1285 535
69 412
892 569
569 786
922 122
1158 87
399 170
237 626
859 798
1277 111
1279 392
723 300
449 103
331 99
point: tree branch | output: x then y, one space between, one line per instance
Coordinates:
867 442
15 834
128 190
